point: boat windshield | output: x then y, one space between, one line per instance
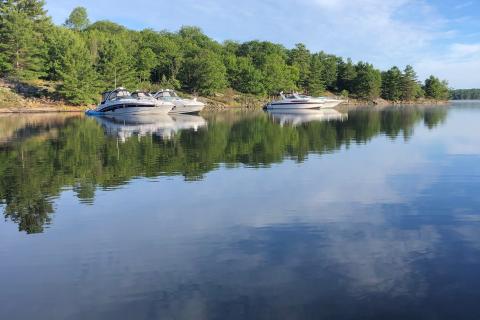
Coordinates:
120 94
167 95
140 94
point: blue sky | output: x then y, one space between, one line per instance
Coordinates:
436 37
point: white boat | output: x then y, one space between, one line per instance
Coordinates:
120 101
180 105
300 101
297 117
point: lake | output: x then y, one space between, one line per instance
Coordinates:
366 214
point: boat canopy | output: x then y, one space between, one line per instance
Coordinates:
166 93
118 93
140 94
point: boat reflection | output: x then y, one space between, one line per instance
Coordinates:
301 116
163 126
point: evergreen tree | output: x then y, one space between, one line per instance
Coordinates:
367 84
409 84
316 81
78 19
392 84
300 58
23 26
115 65
346 75
79 78
436 89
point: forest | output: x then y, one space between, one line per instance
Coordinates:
465 94
82 59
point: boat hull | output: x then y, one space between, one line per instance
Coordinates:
180 109
293 106
131 109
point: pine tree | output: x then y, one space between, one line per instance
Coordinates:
300 57
392 81
346 75
79 79
316 81
409 84
367 84
23 26
115 65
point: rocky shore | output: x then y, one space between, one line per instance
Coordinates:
21 98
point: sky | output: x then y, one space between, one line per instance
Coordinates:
440 37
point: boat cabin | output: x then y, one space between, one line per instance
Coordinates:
166 94
119 93
141 94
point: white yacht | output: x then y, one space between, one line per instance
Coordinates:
180 105
300 101
120 101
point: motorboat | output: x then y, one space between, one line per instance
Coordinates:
300 101
297 117
121 101
180 105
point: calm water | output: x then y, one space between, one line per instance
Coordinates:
366 215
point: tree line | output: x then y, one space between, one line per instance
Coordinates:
85 58
465 94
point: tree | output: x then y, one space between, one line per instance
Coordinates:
300 58
78 19
79 79
204 72
436 89
115 65
392 84
316 81
23 26
277 75
367 84
247 79
409 84
346 75
147 59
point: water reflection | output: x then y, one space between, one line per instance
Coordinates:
371 216
301 116
84 153
162 126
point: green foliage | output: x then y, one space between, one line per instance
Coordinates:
392 81
300 57
79 78
204 73
247 78
436 89
23 26
147 60
277 75
31 48
78 19
367 84
465 94
116 65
